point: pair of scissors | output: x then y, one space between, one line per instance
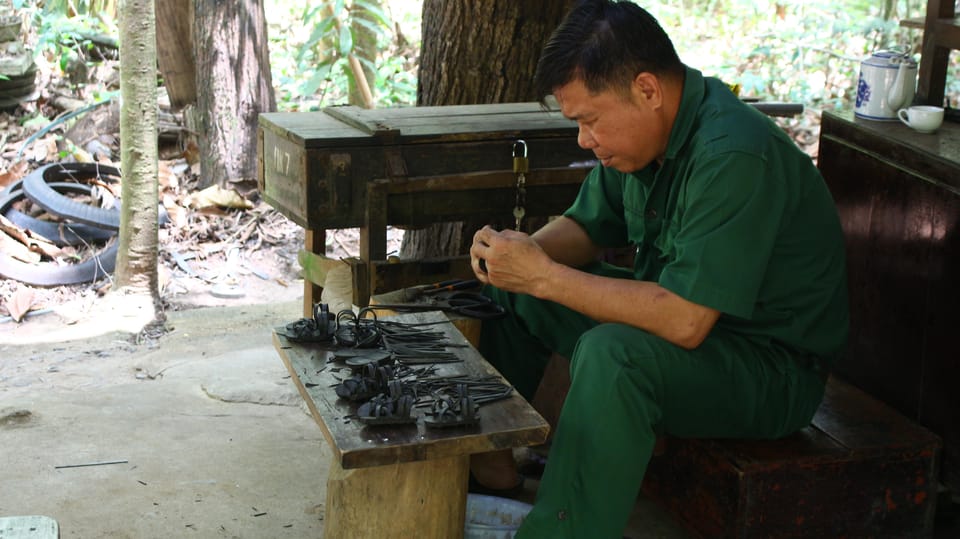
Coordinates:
472 304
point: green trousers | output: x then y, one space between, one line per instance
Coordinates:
627 386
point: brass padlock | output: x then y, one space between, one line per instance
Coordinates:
520 163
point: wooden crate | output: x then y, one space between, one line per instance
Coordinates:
860 470
315 166
349 167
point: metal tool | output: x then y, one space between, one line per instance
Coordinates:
414 292
469 304
520 167
451 286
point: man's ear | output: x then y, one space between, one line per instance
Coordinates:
646 89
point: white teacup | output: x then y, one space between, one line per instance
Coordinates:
924 119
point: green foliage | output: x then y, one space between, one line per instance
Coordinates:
805 51
64 29
310 49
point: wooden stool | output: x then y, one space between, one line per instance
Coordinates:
860 470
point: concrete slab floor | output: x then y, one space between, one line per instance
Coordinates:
204 427
200 433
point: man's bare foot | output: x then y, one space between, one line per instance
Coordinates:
496 469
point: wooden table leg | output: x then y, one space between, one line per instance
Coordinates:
315 241
412 499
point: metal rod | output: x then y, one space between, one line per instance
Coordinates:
104 463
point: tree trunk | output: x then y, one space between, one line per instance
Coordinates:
233 87
474 53
175 51
136 268
364 48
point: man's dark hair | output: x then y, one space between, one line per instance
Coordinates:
605 44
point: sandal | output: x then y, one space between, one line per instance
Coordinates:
320 328
449 412
383 410
358 358
368 380
356 388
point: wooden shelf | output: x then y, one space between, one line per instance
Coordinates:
941 34
947 30
948 33
913 22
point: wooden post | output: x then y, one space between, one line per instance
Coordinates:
413 499
373 237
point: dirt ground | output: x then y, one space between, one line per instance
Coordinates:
196 430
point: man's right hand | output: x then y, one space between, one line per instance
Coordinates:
512 260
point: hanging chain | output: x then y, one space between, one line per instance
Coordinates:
520 168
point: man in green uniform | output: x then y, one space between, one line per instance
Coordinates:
736 305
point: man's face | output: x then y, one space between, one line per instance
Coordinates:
624 132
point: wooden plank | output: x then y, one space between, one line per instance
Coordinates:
387 276
489 180
343 127
913 22
866 425
353 116
504 424
934 158
314 264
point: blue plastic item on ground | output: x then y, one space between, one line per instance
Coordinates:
491 517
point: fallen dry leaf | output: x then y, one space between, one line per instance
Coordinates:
216 196
166 177
20 304
17 250
15 172
32 241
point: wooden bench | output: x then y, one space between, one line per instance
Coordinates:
405 481
860 470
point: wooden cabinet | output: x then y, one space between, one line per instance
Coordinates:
898 195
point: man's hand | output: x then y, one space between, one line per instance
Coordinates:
545 266
512 260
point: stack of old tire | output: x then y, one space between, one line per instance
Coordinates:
17 67
65 222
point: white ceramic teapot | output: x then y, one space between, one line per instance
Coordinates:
888 81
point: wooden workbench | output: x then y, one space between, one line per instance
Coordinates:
403 481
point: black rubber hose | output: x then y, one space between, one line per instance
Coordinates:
35 185
60 234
